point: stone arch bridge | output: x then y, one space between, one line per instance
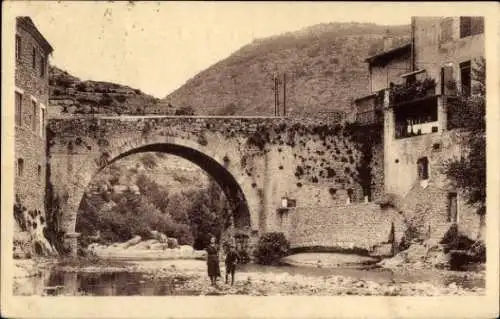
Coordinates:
317 166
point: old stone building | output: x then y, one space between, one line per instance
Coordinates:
410 90
31 98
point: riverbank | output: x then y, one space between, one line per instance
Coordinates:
188 277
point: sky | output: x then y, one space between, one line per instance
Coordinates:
157 47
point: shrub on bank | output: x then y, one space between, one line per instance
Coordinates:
271 247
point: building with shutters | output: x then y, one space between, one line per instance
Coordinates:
32 53
410 91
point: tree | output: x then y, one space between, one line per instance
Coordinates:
185 110
469 172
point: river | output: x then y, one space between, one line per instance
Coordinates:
187 277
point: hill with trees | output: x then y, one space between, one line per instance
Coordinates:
323 64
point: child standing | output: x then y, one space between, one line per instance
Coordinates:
231 260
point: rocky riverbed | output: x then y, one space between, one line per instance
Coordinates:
188 277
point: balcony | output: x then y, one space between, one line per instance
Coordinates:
411 92
417 117
370 117
369 109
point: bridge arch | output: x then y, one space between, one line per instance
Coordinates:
219 173
85 165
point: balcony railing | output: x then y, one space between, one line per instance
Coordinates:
370 109
409 92
370 117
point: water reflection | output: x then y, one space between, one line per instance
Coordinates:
56 282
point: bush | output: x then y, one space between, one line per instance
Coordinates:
454 240
81 87
271 247
415 231
121 98
244 258
185 110
106 100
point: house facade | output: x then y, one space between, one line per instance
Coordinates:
32 52
411 88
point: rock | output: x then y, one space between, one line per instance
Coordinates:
162 238
199 253
140 245
186 250
23 246
157 246
134 241
151 241
154 233
172 242
393 262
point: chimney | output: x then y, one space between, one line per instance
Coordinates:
388 41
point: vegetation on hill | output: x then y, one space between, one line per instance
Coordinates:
70 95
324 67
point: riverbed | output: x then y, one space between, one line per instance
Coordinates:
188 277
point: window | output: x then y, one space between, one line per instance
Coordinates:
39 172
471 26
42 120
446 28
465 78
423 168
452 208
349 195
33 58
442 81
18 48
34 108
19 108
20 167
448 83
42 66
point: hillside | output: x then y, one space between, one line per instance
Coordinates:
70 95
324 65
173 173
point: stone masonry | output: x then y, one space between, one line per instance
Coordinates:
31 98
257 160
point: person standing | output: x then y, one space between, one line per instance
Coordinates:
213 261
231 260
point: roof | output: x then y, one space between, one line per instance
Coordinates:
387 55
412 73
365 97
29 25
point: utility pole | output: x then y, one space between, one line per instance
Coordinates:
284 94
278 95
275 90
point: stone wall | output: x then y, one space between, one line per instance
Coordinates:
30 139
342 226
304 159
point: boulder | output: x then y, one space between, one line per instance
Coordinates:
22 245
141 245
135 240
186 250
199 254
157 246
162 238
154 233
172 242
151 241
